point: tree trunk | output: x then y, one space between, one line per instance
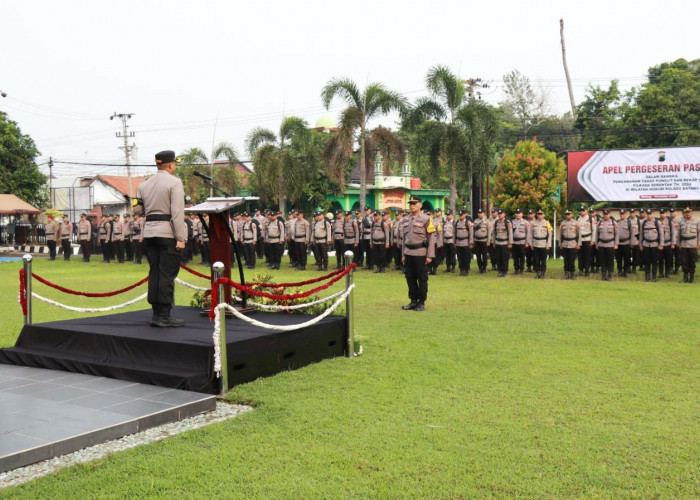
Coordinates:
281 194
453 187
363 168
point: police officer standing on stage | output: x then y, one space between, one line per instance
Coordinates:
689 243
418 251
162 199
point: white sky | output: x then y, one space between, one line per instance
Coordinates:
68 65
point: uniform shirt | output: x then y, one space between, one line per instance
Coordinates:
481 230
635 230
262 224
464 232
688 231
626 232
51 231
569 234
588 228
141 223
417 241
520 229
448 232
289 228
366 228
380 232
607 234
397 232
105 231
502 232
162 194
351 233
118 231
204 236
127 229
539 235
249 232
322 231
439 224
338 224
66 228
84 230
650 236
302 231
275 231
669 231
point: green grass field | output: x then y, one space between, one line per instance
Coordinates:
502 388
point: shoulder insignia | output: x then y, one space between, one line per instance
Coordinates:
431 226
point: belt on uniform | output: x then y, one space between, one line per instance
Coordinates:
321 239
448 238
540 237
83 233
688 238
465 238
64 237
605 241
564 238
377 242
416 247
519 239
247 239
585 235
338 233
480 240
625 240
501 239
158 218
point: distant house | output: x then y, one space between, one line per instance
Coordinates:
111 193
244 172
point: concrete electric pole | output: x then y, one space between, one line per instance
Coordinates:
125 134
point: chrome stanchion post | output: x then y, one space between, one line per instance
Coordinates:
218 269
28 286
349 305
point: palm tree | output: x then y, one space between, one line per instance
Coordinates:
193 159
277 160
376 100
451 130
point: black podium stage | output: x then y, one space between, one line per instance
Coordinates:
125 347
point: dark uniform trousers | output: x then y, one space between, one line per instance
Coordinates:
606 259
569 255
529 258
292 250
367 251
677 258
249 253
584 257
357 254
450 252
650 257
67 250
52 249
339 246
164 260
464 258
379 254
481 251
138 250
666 260
417 278
300 250
129 249
689 256
397 256
502 258
85 248
119 250
205 252
493 256
636 256
518 256
321 253
260 249
106 254
275 251
624 258
539 259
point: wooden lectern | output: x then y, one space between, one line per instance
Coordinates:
220 234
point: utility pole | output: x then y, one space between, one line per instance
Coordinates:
51 180
566 69
125 134
472 85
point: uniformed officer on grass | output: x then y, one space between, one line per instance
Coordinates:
162 199
689 243
418 251
85 237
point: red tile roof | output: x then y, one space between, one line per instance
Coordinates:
242 170
120 183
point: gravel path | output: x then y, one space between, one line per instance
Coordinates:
24 474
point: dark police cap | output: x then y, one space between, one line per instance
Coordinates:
300 211
166 157
83 214
622 211
386 212
591 210
531 211
338 212
449 212
500 211
414 199
245 214
568 212
358 212
375 213
649 211
317 213
540 211
606 211
480 211
464 212
438 210
429 212
368 208
582 208
687 210
518 210
662 210
672 210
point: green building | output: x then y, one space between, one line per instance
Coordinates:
388 191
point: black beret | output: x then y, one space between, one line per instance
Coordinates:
165 157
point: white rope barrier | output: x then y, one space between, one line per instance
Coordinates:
276 307
190 285
89 309
280 328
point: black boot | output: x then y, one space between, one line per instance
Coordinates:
410 307
685 278
692 278
647 277
653 277
420 306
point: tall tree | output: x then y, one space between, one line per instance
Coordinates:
279 172
529 105
194 159
450 131
374 101
527 176
19 173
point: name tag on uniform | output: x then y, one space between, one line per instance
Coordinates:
417 224
610 230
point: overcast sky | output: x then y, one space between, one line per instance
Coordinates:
68 65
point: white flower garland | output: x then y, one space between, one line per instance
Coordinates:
190 285
89 309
